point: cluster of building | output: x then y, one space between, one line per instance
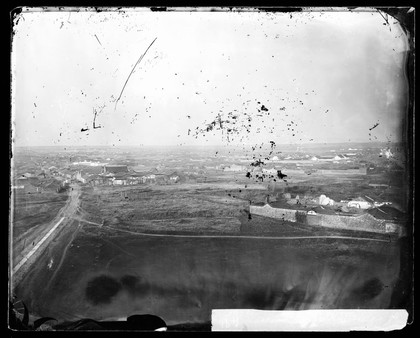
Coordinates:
34 182
326 158
324 201
120 175
25 185
108 175
335 158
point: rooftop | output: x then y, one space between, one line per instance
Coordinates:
115 168
387 212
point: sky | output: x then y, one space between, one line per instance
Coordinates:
296 78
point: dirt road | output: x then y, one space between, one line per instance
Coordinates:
251 237
28 247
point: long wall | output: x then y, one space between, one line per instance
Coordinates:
363 222
266 210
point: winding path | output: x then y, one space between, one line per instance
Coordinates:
252 237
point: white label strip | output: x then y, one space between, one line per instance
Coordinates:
35 248
309 320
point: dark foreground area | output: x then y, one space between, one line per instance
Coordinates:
108 275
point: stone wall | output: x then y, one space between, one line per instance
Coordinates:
313 220
268 211
364 222
301 216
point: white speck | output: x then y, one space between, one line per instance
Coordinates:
50 263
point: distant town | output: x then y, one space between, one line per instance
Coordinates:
98 171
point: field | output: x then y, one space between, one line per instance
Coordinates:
180 250
199 208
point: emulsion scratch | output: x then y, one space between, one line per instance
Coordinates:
94 118
386 19
132 70
98 40
374 126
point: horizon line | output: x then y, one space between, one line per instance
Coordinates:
202 145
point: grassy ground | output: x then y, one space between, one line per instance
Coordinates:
211 207
215 206
30 210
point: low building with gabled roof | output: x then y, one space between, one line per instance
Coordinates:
115 168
